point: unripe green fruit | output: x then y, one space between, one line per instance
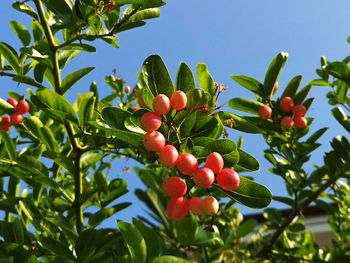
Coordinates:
177 208
196 206
265 112
187 163
153 141
22 107
16 118
168 156
299 110
178 100
210 205
215 162
300 122
203 177
228 179
151 121
287 122
161 104
174 187
287 104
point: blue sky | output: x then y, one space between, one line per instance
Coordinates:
231 37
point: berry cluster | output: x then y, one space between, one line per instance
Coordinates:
21 108
186 163
287 106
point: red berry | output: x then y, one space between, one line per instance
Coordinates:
178 100
168 156
13 102
161 104
215 162
300 122
177 208
228 179
299 110
275 88
22 107
127 89
210 205
287 104
151 121
16 118
196 206
5 123
265 112
135 108
174 187
153 141
287 122
203 177
141 102
187 163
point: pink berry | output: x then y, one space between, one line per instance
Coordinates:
5 123
210 205
141 102
168 156
215 162
300 122
174 187
153 141
177 208
161 104
287 104
299 110
178 100
196 206
203 177
265 112
16 118
187 163
287 122
22 107
13 102
228 179
151 121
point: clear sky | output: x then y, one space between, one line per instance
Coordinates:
232 38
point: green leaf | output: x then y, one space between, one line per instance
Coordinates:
48 138
27 80
246 105
284 200
246 227
185 80
21 32
186 146
63 7
33 123
341 117
250 194
169 259
250 84
135 242
292 87
65 56
56 247
10 57
339 70
274 72
301 95
151 3
9 144
320 82
237 122
115 117
145 14
186 230
206 82
246 162
314 137
157 76
104 213
86 108
133 123
128 26
227 149
27 9
80 46
73 78
6 107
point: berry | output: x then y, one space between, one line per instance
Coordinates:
196 206
151 121
16 118
287 122
141 102
265 112
300 122
299 110
174 187
135 108
5 123
22 107
178 100
287 104
177 208
161 104
215 162
203 177
228 179
13 102
153 141
275 88
187 164
127 89
210 205
168 156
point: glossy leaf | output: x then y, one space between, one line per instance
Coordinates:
292 87
338 70
184 79
134 240
6 107
48 138
273 73
250 84
10 57
133 123
145 14
27 80
341 117
246 162
33 123
206 82
237 122
320 82
186 230
21 32
246 105
301 95
56 247
169 259
27 9
104 213
115 117
246 227
63 7
81 46
9 144
227 148
73 78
